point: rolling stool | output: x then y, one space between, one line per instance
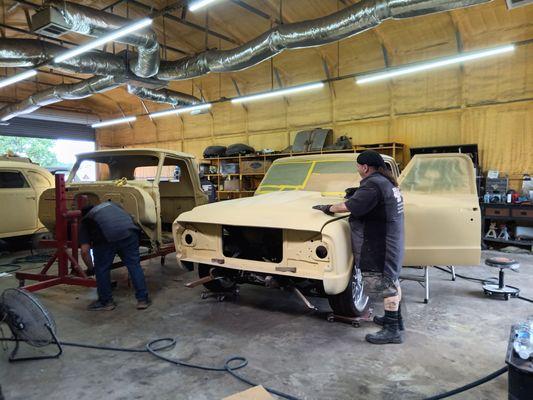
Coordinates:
498 288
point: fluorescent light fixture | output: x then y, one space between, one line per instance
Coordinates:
182 110
17 78
114 122
104 39
196 5
279 92
441 62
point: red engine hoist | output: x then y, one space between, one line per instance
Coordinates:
66 250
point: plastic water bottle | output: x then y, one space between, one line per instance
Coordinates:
523 341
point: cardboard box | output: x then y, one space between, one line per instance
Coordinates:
229 168
255 393
231 184
255 166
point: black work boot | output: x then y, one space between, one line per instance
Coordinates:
391 330
378 319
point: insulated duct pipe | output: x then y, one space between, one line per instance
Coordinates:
74 91
91 22
340 25
31 52
163 96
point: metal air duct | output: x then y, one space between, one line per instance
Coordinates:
91 22
31 52
163 96
75 91
340 25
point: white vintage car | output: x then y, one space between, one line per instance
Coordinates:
21 185
276 239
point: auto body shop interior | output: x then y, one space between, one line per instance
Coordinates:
266 199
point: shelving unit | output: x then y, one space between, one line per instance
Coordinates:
513 215
248 181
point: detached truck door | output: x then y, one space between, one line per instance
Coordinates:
442 214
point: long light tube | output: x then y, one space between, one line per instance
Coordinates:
176 111
441 62
114 122
17 78
279 92
102 40
196 5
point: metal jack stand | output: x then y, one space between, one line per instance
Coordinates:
423 280
368 316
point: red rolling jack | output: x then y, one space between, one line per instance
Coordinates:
62 244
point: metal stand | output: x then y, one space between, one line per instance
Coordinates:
504 233
354 321
491 233
13 356
423 280
452 270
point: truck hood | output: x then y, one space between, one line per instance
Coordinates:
284 210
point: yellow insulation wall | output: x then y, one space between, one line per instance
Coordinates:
488 102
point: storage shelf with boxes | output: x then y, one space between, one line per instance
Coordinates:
239 176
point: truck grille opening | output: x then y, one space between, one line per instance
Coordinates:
249 243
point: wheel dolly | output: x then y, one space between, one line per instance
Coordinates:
68 250
368 316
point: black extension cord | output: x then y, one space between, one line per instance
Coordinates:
153 349
464 388
231 365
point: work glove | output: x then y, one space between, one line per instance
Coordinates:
324 208
350 192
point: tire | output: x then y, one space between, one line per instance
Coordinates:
219 285
352 302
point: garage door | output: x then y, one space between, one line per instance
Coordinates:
47 129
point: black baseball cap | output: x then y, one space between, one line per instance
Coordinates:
371 158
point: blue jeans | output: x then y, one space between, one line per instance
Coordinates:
128 251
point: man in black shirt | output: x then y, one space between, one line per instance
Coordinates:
110 230
377 233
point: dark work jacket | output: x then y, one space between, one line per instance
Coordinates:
377 226
105 223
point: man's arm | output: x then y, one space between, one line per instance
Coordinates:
339 208
363 201
84 241
86 257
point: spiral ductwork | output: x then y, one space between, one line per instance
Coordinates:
75 91
112 70
32 52
91 22
348 22
165 96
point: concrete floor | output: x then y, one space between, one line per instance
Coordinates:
458 337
